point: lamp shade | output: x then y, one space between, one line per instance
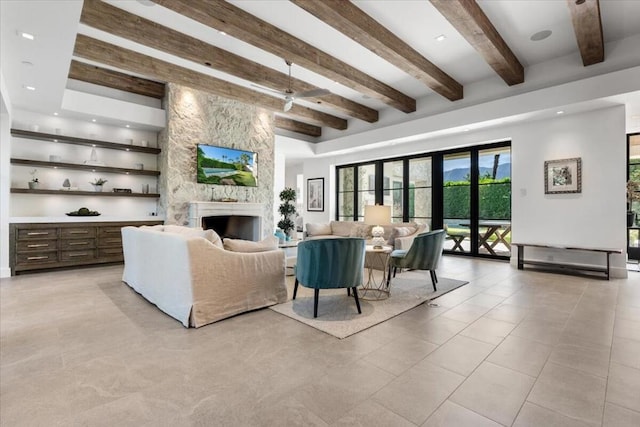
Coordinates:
377 214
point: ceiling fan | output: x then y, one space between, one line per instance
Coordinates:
290 95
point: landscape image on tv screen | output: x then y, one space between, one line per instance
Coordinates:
226 166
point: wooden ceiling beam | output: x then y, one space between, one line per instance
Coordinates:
128 60
234 21
298 127
350 20
108 18
587 25
471 22
115 80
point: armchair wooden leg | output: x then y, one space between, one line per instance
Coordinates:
349 292
395 269
355 295
389 276
295 289
316 292
433 279
435 276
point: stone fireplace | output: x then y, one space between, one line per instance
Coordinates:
229 219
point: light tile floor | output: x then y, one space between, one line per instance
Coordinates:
511 348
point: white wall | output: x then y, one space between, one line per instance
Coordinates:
595 217
5 150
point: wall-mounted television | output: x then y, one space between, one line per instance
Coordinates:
226 166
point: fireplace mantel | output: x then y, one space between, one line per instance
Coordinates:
198 210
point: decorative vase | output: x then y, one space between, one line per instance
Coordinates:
280 235
631 218
33 185
97 188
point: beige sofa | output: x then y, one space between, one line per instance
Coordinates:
399 235
189 275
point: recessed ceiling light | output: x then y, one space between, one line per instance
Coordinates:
93 120
466 129
222 33
27 87
127 149
55 140
55 114
559 112
27 36
127 126
441 37
93 145
540 35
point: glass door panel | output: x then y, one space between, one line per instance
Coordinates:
494 202
366 187
633 208
456 191
420 191
392 179
346 185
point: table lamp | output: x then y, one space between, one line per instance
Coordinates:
377 215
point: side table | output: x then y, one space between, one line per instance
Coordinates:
376 259
290 249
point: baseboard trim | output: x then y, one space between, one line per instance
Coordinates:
5 272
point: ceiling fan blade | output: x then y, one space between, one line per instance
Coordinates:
312 93
288 104
278 92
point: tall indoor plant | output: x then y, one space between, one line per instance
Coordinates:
287 209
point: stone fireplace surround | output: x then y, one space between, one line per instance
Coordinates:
238 214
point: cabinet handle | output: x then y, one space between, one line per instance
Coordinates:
40 245
78 231
77 255
111 231
78 243
33 258
38 233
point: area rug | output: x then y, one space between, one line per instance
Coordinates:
337 313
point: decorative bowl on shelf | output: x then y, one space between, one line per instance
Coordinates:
83 212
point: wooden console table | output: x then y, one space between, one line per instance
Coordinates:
563 266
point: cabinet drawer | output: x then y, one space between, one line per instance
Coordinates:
77 244
77 232
37 233
79 255
109 232
110 242
115 253
36 245
36 258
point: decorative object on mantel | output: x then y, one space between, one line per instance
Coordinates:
563 176
97 184
83 212
34 183
227 200
633 194
287 210
122 190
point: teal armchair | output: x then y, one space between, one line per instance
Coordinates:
424 254
330 264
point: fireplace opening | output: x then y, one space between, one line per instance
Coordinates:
234 226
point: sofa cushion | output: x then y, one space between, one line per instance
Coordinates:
400 232
361 230
209 235
342 228
318 229
269 243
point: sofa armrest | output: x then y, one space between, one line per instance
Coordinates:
404 243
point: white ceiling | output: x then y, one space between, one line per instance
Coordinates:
56 23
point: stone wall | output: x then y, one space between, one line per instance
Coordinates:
195 117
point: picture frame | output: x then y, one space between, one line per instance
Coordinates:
563 176
315 195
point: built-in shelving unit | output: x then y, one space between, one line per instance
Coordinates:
90 168
19 133
84 193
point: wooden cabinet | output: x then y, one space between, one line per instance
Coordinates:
37 246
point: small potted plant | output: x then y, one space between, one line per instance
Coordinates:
287 210
34 183
98 183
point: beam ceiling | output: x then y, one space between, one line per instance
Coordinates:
234 21
298 127
350 20
471 22
111 19
587 25
124 59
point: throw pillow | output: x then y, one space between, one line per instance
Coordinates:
363 231
269 243
342 228
400 232
318 229
209 235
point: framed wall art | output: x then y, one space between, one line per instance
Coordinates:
315 195
563 176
